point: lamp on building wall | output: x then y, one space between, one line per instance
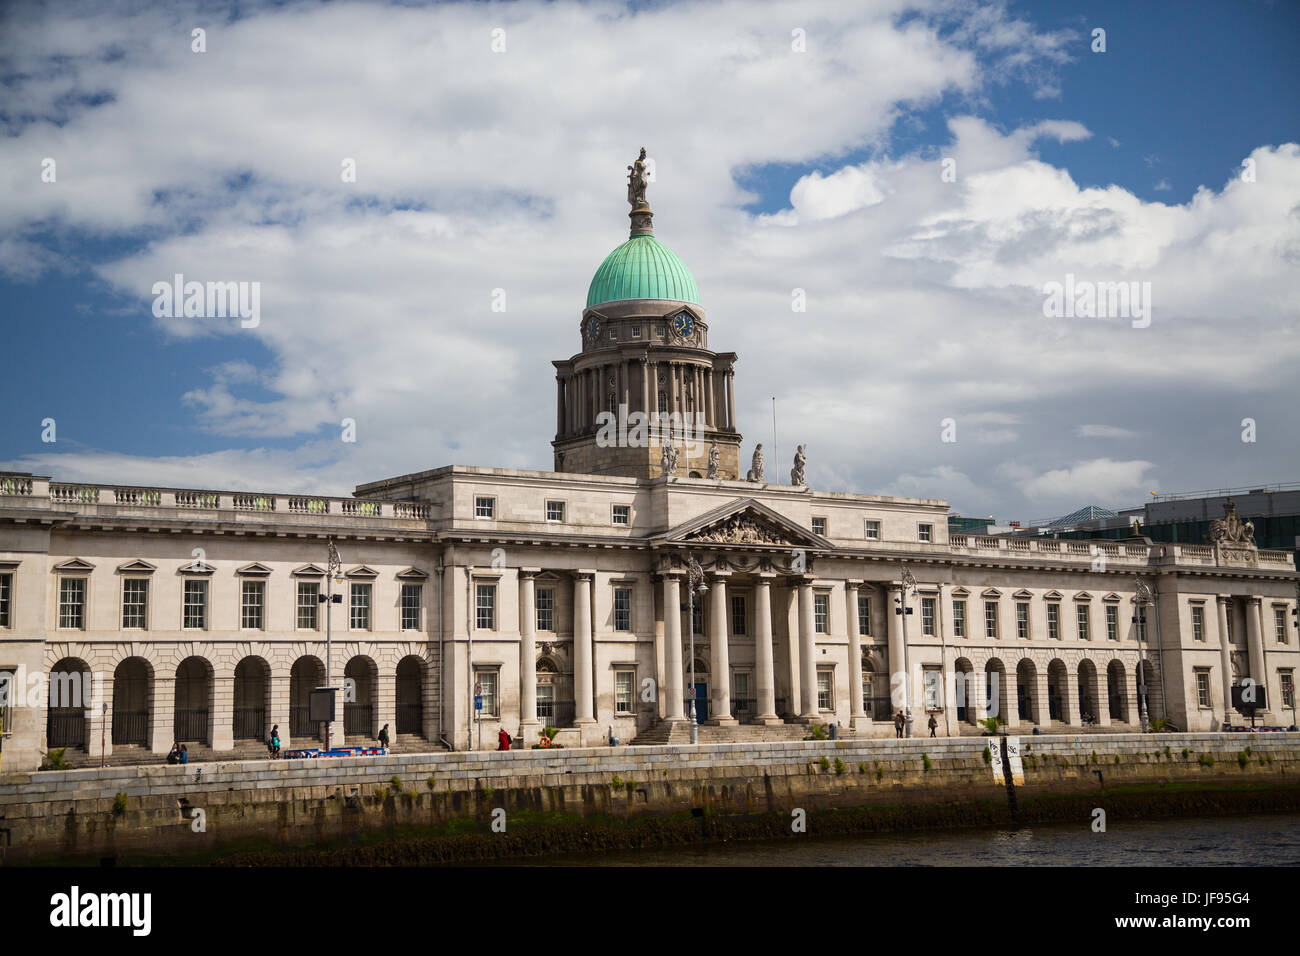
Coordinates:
695 584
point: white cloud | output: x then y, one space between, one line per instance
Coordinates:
1104 431
479 171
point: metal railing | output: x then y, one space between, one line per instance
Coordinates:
410 718
250 723
556 713
359 720
744 708
130 727
65 727
191 725
879 708
300 722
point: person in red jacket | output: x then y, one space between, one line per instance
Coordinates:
503 739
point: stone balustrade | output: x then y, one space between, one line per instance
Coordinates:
118 500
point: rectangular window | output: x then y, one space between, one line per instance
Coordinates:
546 609
359 618
195 604
1083 620
72 603
1203 688
864 615
739 625
636 331
819 526
866 695
135 603
1112 622
1022 620
927 615
925 532
412 595
933 685
821 613
624 688
622 514
1140 622
872 529
1198 622
1054 620
697 615
1279 624
555 511
308 604
252 595
8 694
484 507
622 609
613 335
1228 618
486 678
959 618
825 689
6 595
991 619
1288 689
485 607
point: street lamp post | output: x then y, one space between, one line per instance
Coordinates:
335 567
909 584
1143 598
695 582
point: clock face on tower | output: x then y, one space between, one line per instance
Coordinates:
593 329
683 324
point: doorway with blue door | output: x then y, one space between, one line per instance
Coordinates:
701 692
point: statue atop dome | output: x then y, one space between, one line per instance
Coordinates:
636 183
640 215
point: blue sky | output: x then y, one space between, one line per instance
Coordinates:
173 161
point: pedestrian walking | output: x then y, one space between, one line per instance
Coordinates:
383 737
933 725
503 739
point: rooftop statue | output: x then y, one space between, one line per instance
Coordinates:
796 473
636 183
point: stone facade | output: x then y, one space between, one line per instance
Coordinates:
560 598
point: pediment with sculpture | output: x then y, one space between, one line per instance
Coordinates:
746 522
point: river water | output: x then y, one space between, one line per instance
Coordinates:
1263 840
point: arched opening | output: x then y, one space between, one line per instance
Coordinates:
871 706
965 690
996 703
1088 693
359 685
1058 692
1026 682
252 696
193 701
132 690
1116 703
67 704
306 675
410 695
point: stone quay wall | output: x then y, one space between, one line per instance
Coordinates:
91 815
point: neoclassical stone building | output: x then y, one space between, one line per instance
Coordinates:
561 597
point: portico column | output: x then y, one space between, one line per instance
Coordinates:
720 708
582 644
1225 654
856 713
807 652
675 706
528 723
764 659
894 633
1255 640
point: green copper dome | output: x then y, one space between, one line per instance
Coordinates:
642 268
